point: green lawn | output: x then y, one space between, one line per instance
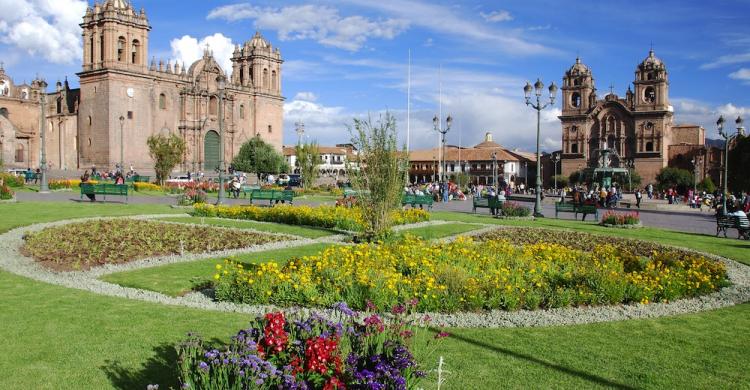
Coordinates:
432 232
732 248
303 231
59 338
177 279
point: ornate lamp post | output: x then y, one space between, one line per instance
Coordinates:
538 87
630 164
122 162
443 131
494 169
695 175
299 127
555 160
220 85
728 138
43 185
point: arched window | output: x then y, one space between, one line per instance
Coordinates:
574 148
649 146
89 120
91 49
163 101
649 95
19 153
265 78
101 48
213 105
242 111
59 105
121 49
4 112
242 75
575 100
135 52
270 129
273 81
577 81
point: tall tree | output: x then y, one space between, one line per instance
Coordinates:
167 152
739 161
379 176
308 160
680 179
260 157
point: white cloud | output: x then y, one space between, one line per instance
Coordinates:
188 50
705 114
320 23
742 74
47 28
497 16
306 96
727 60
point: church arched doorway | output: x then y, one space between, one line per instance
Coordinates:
211 151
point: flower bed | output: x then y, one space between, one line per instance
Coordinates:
141 186
468 275
12 180
205 186
6 193
613 218
329 217
278 352
87 244
514 209
191 197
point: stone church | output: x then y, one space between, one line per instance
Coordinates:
639 127
124 98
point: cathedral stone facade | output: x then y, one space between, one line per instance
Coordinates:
638 127
124 98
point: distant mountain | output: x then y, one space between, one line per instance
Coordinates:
717 143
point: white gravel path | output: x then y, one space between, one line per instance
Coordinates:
13 261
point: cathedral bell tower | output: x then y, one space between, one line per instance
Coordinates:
651 85
115 36
578 89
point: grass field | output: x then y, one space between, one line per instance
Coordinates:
302 231
60 338
177 279
432 232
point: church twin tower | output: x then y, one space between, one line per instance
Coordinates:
637 127
125 98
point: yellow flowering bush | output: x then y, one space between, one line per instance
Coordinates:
469 275
141 186
342 218
57 184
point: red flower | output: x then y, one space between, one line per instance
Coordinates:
333 384
275 337
320 355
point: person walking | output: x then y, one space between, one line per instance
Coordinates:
650 190
638 198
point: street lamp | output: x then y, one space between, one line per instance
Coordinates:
122 162
43 186
494 169
299 127
443 131
695 176
728 138
220 85
630 164
555 160
538 86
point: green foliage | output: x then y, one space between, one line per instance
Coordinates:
562 181
514 209
739 161
707 185
380 174
5 192
635 179
260 157
576 178
461 179
12 181
680 179
166 151
308 159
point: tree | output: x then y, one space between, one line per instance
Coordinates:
260 157
166 151
635 179
308 159
562 181
576 178
680 179
739 161
380 174
707 185
461 179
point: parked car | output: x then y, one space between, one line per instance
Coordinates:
17 172
283 179
180 179
295 180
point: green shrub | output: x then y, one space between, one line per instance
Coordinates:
12 181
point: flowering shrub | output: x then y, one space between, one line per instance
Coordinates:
322 216
191 197
514 209
465 275
205 186
276 352
67 184
6 193
615 218
143 186
12 180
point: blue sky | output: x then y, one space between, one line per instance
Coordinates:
346 59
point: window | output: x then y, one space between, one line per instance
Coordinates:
89 141
163 101
89 120
91 49
4 112
242 75
574 148
649 146
130 114
649 95
273 80
577 81
270 129
575 100
135 52
650 76
213 104
121 49
59 105
19 153
265 78
101 47
242 111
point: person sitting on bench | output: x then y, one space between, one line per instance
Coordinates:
84 180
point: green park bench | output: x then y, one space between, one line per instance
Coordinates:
417 200
272 196
104 189
141 179
725 222
576 209
247 190
486 203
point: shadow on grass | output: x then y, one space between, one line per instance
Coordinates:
594 379
161 369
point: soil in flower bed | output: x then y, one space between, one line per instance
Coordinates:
88 244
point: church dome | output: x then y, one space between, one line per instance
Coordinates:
117 4
651 61
258 41
578 68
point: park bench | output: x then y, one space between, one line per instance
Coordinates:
272 196
725 222
104 189
586 209
247 190
486 203
414 200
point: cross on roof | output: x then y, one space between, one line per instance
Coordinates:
611 89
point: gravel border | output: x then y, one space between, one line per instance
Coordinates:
12 261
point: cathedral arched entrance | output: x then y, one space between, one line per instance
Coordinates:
211 151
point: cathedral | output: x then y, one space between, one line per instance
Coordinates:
124 98
638 128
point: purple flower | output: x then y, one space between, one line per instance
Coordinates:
203 366
344 309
